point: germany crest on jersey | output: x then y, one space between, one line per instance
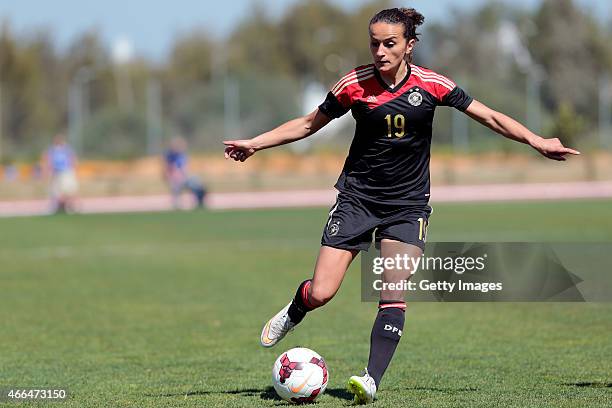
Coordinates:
388 161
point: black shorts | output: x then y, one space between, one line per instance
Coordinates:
352 221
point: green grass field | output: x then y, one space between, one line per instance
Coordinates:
165 310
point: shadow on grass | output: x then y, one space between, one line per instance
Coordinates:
590 384
340 393
267 393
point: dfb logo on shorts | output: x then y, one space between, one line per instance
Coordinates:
393 329
415 98
334 228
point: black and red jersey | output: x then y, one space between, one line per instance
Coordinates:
388 161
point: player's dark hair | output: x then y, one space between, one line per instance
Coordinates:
408 17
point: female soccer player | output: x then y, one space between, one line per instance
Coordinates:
384 185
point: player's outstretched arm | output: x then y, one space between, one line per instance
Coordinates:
510 128
288 132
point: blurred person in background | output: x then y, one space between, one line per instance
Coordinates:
384 187
59 167
177 176
10 172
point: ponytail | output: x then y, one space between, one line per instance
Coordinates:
416 20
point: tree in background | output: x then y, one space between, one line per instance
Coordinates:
575 51
29 70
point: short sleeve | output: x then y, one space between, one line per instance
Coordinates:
339 100
458 99
332 107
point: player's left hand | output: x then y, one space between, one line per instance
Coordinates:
553 148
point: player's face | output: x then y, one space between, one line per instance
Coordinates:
388 46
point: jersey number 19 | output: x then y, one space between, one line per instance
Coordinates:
396 124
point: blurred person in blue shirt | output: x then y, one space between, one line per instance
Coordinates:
11 173
59 165
177 176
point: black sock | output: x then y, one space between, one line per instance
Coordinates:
300 305
386 334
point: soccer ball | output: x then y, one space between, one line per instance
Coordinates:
299 375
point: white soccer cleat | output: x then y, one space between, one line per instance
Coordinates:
277 328
363 387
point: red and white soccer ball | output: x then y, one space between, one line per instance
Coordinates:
299 375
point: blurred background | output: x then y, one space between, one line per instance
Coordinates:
120 80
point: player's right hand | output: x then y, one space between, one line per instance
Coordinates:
239 150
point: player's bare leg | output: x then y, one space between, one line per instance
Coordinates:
389 323
330 268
